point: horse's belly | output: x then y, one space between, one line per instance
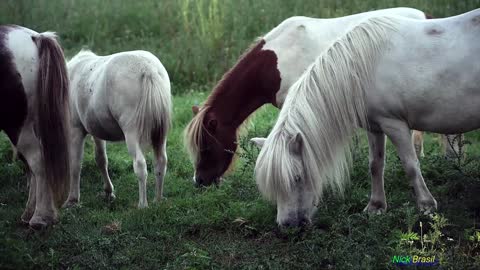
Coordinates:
435 112
456 117
103 126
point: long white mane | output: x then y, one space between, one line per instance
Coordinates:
324 107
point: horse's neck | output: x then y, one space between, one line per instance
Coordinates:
252 82
234 106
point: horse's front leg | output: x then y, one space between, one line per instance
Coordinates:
399 134
376 143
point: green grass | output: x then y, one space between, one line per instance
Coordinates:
230 226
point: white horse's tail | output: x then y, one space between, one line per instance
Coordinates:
154 110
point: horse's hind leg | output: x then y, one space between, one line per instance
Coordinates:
452 146
30 207
76 157
139 167
377 203
160 154
40 195
102 163
417 138
399 134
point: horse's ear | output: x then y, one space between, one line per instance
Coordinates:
212 125
259 142
195 109
296 143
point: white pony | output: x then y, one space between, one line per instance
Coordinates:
387 75
123 96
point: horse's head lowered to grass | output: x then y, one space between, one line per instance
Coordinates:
211 136
214 146
307 149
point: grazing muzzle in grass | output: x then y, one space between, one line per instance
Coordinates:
296 200
211 146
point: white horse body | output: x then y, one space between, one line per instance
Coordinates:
123 96
387 75
435 83
298 41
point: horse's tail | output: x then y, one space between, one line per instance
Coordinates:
153 115
52 121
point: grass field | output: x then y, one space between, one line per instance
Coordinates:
230 226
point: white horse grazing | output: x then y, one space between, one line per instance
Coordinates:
123 96
34 115
387 75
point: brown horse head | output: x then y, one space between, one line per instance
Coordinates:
213 145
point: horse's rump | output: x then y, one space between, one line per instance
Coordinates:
154 110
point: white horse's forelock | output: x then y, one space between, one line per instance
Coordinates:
325 107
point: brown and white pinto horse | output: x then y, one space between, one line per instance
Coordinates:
262 75
34 114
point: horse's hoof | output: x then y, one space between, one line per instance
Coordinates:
427 207
70 203
157 200
376 207
142 205
40 223
26 216
109 197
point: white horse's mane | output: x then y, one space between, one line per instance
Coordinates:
324 107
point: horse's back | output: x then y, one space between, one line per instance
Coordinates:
18 74
298 41
127 67
431 68
108 88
